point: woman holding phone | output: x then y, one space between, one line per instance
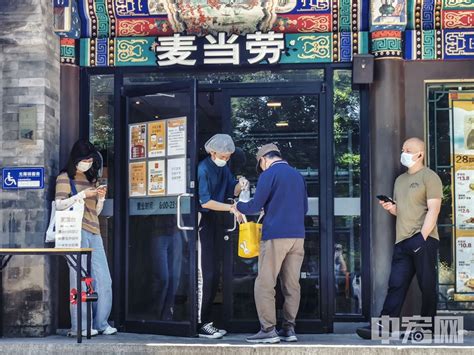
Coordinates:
78 181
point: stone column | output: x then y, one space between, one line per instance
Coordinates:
30 77
386 127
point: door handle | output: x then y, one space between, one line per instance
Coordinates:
178 213
234 227
235 219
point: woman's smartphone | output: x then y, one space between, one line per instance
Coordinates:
101 187
385 198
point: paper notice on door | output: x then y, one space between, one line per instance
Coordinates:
137 179
156 178
176 176
176 136
156 139
137 142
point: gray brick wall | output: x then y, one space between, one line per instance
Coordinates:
29 76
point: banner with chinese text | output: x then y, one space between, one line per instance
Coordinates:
222 49
462 110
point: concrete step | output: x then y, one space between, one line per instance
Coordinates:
126 343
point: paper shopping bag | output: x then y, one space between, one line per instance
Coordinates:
68 226
250 234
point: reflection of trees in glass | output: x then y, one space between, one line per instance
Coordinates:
293 126
251 76
346 134
101 111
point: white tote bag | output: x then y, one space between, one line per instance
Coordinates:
65 227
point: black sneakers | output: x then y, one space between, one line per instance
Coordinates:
209 331
366 332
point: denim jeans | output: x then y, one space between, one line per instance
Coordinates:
102 284
167 258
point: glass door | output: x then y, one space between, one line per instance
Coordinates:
290 117
161 218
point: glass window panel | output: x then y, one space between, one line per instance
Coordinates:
101 134
439 145
347 246
158 284
292 122
262 76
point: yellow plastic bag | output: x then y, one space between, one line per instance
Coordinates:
250 234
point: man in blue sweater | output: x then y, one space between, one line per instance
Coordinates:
281 193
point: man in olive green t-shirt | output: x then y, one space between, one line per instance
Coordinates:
417 197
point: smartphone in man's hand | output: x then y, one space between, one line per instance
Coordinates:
385 198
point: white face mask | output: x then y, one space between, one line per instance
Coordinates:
407 159
83 166
219 162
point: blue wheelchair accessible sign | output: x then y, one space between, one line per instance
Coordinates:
22 178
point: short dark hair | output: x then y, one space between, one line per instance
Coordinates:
272 154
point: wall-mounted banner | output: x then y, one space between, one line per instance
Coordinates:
462 106
22 178
223 49
137 142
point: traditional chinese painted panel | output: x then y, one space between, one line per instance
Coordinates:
439 44
388 14
410 29
116 18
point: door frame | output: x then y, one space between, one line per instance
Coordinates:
118 73
178 328
325 323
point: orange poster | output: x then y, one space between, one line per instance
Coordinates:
156 139
137 179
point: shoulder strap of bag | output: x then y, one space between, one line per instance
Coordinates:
73 187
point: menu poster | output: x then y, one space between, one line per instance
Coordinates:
464 265
156 139
176 176
137 179
462 105
156 178
176 136
137 141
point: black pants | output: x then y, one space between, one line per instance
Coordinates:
413 256
211 237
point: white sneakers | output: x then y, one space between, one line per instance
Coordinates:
109 331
